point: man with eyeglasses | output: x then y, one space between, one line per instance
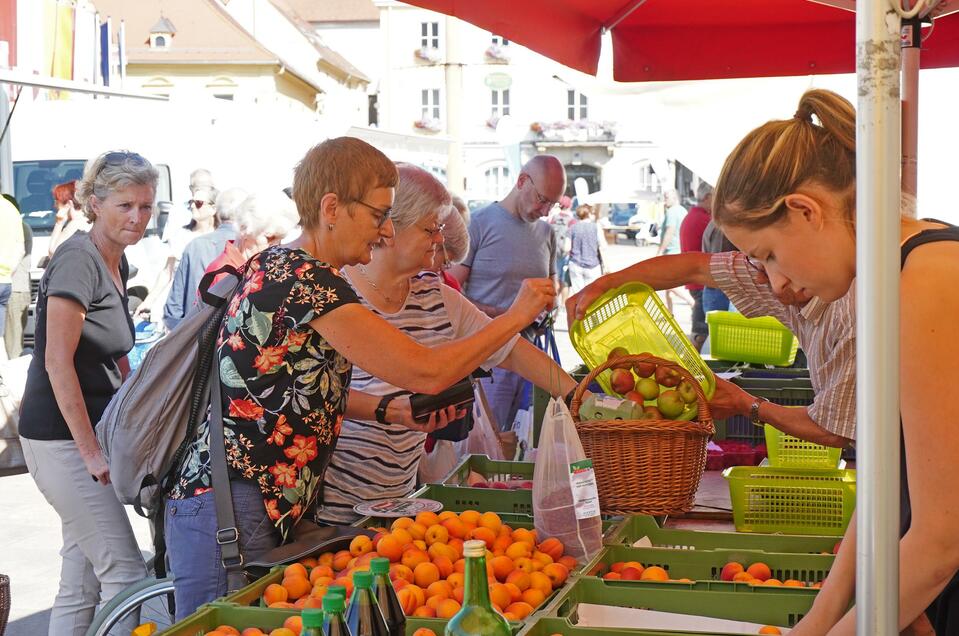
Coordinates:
509 242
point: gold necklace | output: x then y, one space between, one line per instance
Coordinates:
386 297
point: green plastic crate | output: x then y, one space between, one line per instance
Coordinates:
786 451
492 470
210 616
757 604
707 565
791 500
547 626
251 595
632 529
633 316
763 340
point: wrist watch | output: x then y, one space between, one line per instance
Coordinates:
754 411
381 408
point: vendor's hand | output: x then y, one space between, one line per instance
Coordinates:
577 304
535 295
141 313
97 466
729 399
400 412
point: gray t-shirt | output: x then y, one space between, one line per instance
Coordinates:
504 251
714 241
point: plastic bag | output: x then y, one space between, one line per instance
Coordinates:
435 466
565 499
483 439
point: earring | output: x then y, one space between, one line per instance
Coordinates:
329 226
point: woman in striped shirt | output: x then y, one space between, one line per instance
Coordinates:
375 460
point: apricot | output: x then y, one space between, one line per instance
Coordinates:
424 612
297 569
390 548
485 535
444 565
490 520
655 573
360 545
401 522
557 574
470 516
515 593
427 518
499 595
520 579
417 531
228 629
439 588
341 560
426 573
283 631
769 629
424 631
541 582
447 608
519 550
275 593
520 609
759 571
294 624
553 547
502 566
534 597
730 570
568 561
437 534
413 557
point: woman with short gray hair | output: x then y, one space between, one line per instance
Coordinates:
399 286
83 335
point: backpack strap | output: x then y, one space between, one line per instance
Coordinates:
227 534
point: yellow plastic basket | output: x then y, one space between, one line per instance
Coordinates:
791 500
633 316
763 340
786 451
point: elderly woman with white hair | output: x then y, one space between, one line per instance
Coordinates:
374 459
262 220
455 245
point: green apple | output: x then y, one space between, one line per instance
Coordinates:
671 404
648 388
687 391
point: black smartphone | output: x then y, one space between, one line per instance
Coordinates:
459 395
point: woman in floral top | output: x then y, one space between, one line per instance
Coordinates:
286 349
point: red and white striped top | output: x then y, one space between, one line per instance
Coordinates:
826 332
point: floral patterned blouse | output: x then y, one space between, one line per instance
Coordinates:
284 387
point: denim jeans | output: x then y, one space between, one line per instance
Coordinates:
505 393
190 525
5 291
714 300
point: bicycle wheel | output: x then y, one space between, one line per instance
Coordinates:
152 598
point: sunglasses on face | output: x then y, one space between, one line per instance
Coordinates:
199 204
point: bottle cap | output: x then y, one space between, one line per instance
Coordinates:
380 565
474 548
337 589
312 617
332 603
362 580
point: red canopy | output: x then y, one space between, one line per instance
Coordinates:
663 40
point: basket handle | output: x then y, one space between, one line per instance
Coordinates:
633 359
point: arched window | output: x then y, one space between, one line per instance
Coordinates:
222 88
158 86
496 180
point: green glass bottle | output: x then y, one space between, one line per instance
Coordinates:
334 623
363 615
312 622
477 616
386 597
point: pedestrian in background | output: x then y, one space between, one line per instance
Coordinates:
199 253
510 242
585 258
70 217
669 241
11 252
19 304
691 240
83 335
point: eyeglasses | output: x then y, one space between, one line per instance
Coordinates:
433 231
199 204
539 197
446 258
380 216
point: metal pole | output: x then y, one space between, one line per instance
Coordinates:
454 106
911 43
877 317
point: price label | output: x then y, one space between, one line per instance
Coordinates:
582 479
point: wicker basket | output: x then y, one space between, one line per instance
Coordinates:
4 602
648 467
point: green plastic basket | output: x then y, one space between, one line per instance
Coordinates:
707 565
547 626
637 527
491 470
740 427
633 316
207 617
786 451
763 340
791 500
757 604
